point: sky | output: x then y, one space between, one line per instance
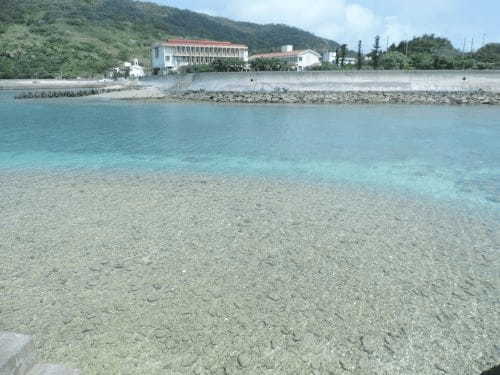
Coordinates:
347 21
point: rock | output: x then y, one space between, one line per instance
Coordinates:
369 344
274 297
347 364
320 97
188 360
244 360
152 299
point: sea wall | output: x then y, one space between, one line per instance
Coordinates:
347 97
364 81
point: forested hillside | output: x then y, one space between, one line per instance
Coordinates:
69 38
432 52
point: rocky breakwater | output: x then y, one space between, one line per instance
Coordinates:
354 97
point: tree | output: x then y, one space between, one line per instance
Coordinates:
228 65
199 68
343 52
337 57
489 55
422 61
445 63
359 62
376 52
427 43
395 60
261 65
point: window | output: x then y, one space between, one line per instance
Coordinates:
300 58
157 52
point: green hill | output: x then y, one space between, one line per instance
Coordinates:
49 38
490 55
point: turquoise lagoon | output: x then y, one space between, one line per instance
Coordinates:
447 153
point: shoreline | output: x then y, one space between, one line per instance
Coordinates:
57 84
147 274
487 208
291 98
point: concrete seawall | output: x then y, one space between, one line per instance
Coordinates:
387 81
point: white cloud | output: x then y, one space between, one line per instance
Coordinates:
359 18
396 30
345 21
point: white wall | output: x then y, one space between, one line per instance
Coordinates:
158 62
308 59
336 81
329 57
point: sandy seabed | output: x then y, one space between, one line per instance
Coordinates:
158 274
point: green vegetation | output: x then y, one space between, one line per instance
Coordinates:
266 65
324 66
489 56
71 38
395 60
424 52
431 52
218 65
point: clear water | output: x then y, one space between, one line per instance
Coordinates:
450 153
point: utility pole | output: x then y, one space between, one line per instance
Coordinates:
472 45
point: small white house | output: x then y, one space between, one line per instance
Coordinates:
299 59
135 70
130 69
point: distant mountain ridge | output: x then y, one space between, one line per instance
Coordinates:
85 37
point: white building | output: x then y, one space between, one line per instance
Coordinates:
331 57
134 69
298 59
175 53
127 69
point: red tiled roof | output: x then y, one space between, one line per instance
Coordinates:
203 43
278 54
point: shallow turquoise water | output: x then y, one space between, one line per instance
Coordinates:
450 153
